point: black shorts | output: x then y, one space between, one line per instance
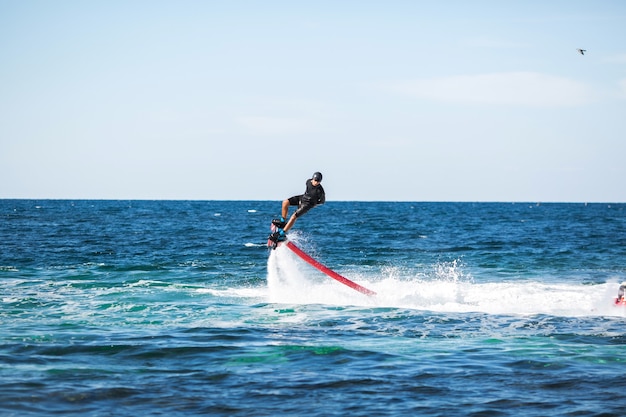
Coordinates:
295 201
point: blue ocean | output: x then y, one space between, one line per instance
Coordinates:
178 308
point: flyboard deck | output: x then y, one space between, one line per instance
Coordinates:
273 243
316 264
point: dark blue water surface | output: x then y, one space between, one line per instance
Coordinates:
178 308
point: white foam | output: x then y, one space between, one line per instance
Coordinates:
529 297
444 289
244 292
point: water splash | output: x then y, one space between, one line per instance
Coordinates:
442 287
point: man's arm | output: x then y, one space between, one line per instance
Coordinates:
322 198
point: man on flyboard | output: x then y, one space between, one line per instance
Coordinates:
313 196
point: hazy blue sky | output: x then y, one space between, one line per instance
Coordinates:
391 100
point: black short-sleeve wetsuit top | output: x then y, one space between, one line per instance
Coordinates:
312 197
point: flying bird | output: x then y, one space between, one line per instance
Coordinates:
582 51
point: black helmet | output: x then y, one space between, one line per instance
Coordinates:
317 177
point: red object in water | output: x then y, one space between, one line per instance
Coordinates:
328 271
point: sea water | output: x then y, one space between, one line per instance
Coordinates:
176 308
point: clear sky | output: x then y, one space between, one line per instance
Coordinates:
391 100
